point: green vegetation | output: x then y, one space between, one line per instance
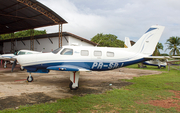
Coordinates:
24 33
129 99
158 47
173 44
107 40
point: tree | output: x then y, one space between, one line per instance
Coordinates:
173 43
107 40
158 47
24 33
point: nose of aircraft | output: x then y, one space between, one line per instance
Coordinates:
18 59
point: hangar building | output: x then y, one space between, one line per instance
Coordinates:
17 15
46 42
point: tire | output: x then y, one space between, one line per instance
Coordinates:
159 67
22 68
29 79
4 66
70 86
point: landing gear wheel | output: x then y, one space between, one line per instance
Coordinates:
159 67
29 78
5 66
22 68
70 86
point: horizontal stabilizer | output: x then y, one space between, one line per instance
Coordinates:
161 57
157 57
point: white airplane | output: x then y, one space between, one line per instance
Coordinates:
10 57
6 58
82 58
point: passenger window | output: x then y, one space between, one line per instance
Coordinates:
97 53
84 52
67 51
110 54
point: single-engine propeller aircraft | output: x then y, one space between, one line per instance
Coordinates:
82 58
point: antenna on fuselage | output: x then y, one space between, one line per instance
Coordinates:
98 42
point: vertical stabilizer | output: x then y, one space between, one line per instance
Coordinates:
127 43
147 43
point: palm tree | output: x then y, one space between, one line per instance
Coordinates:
173 43
158 47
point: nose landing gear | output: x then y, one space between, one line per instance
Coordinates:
74 77
29 78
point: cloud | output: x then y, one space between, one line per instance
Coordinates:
122 18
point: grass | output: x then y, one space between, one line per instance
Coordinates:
129 99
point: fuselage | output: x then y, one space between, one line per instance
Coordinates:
91 58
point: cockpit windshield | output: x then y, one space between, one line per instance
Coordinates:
21 53
56 50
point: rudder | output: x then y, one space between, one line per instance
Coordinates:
147 43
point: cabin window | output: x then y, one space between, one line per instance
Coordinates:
110 54
67 51
97 53
84 53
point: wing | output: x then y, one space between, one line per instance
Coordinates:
157 57
175 56
161 57
7 57
67 68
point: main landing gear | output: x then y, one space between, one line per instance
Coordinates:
29 78
74 77
22 68
5 64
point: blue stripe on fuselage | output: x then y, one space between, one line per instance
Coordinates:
94 66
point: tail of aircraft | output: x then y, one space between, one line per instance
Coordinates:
147 43
127 43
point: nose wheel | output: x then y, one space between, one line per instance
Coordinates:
71 86
29 78
74 78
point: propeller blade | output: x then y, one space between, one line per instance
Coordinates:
13 66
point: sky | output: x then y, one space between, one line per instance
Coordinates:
123 18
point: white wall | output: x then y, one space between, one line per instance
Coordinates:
45 44
79 42
6 47
18 45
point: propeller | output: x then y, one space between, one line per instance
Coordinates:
14 64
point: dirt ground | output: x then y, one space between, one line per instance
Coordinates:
16 91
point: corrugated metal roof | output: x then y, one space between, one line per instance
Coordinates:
17 15
50 36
